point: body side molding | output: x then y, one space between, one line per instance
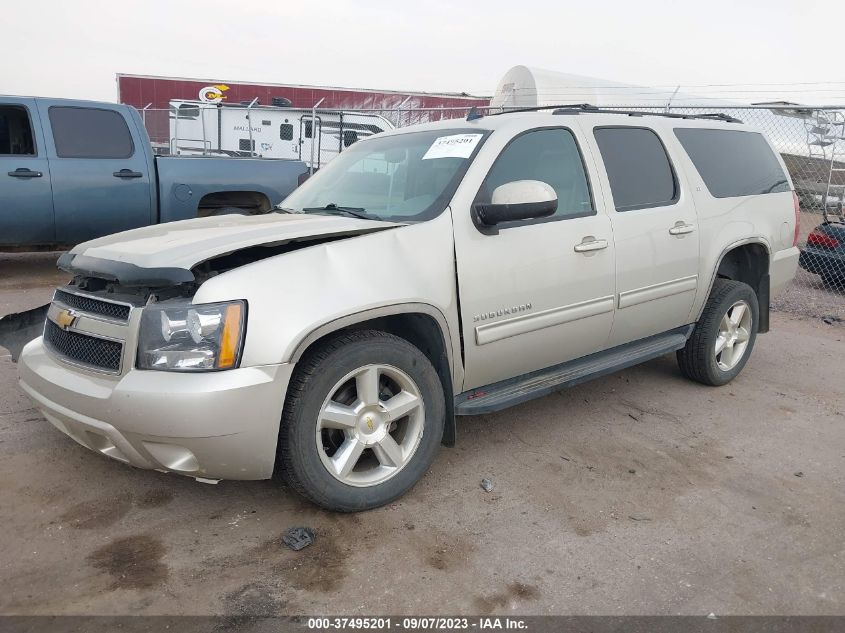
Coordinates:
657 291
491 332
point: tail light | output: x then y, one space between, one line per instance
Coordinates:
797 203
817 238
302 178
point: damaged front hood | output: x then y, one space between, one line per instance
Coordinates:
166 254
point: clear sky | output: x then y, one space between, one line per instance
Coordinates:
734 50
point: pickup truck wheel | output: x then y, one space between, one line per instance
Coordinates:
362 422
724 335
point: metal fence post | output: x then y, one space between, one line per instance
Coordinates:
248 124
174 144
314 132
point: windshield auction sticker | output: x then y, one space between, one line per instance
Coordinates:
453 146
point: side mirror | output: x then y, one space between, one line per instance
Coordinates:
517 200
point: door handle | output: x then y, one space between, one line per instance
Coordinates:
127 173
23 172
681 228
590 244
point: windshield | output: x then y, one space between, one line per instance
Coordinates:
400 178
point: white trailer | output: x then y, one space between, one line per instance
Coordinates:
200 128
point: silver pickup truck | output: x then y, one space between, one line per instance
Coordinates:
447 269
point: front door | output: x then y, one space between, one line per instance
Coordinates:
655 233
539 292
26 201
101 179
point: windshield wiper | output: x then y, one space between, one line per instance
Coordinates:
355 212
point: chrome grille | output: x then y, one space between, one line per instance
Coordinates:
90 351
93 306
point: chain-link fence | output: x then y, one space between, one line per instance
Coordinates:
810 139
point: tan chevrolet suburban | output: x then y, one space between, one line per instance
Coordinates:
446 269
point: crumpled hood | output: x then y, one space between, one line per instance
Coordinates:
166 253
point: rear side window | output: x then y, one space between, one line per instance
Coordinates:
638 167
551 156
733 162
286 132
90 133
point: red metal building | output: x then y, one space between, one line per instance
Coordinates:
155 93
140 91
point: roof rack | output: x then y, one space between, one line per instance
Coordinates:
586 108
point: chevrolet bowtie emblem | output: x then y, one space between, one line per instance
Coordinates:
65 318
370 424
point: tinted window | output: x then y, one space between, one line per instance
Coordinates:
15 132
286 132
550 156
732 162
637 166
90 133
349 137
188 111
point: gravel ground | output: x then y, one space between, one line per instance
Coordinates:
637 493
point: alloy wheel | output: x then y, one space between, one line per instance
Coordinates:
734 334
370 425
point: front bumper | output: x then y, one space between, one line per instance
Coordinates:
215 425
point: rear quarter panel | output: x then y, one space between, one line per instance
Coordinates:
183 181
725 223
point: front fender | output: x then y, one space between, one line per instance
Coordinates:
297 297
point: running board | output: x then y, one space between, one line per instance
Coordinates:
540 383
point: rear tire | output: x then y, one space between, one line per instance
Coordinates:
362 422
724 336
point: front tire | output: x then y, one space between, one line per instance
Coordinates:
724 335
362 422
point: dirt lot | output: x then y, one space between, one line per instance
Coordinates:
638 493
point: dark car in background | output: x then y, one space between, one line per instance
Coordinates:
824 254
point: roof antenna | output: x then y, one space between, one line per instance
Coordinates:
474 114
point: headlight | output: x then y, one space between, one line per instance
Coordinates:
185 337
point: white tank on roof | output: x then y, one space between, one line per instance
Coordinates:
524 87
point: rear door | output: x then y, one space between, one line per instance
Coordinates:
26 202
100 175
654 230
